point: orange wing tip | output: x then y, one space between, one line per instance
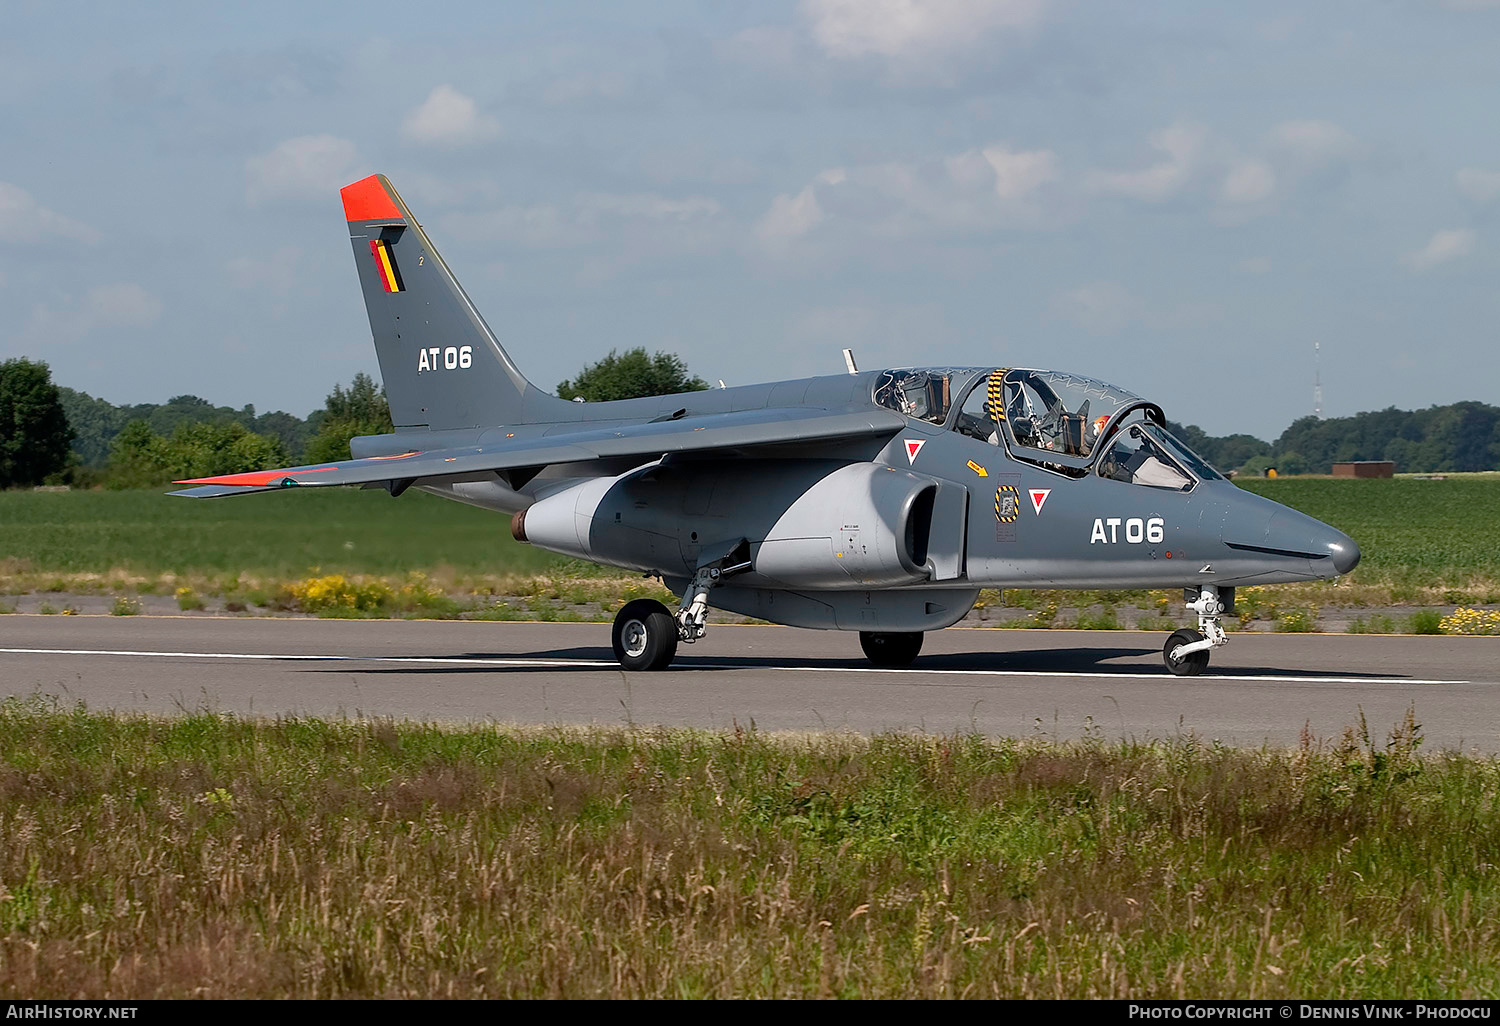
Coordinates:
255 478
368 200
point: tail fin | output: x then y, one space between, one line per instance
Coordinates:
442 366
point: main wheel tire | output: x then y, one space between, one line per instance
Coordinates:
644 636
1193 663
888 648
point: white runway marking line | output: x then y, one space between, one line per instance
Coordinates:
1117 675
609 664
454 661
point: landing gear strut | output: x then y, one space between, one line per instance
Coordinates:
1186 651
646 633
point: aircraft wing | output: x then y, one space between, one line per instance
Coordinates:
744 429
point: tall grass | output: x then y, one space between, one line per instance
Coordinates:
219 857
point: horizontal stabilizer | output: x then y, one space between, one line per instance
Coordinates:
219 491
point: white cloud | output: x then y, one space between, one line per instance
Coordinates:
307 167
790 217
1256 265
1478 184
584 88
647 205
1011 174
103 308
1018 173
125 303
641 225
1278 30
449 118
1314 143
537 226
1100 308
975 191
912 28
276 273
882 331
23 219
1182 144
1442 247
833 326
1249 181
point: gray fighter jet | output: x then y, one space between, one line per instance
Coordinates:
877 501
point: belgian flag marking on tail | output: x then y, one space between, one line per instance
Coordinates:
389 276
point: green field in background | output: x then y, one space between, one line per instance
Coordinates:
1412 532
278 534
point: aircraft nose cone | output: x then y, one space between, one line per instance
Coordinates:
1342 548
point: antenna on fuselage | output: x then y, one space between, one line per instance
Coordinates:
849 361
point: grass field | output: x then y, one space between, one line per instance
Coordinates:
275 535
1428 543
1414 534
213 857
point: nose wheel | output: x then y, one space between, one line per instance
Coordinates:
1189 665
1186 651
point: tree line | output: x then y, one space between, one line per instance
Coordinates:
1458 437
51 434
54 434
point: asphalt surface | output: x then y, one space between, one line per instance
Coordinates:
1261 688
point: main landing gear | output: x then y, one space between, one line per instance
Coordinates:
1186 651
646 634
891 648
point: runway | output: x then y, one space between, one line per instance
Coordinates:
1261 688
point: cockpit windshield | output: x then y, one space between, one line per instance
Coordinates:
1146 453
1059 413
1137 455
1070 424
923 393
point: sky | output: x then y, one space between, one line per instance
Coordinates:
1182 198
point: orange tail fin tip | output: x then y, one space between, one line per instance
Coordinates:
368 200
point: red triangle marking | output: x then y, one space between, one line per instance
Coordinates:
913 446
1039 498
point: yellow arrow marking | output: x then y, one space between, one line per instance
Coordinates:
978 469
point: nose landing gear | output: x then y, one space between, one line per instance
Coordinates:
1186 651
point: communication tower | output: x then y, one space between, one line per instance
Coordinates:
1317 381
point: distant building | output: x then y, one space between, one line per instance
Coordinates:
1365 468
